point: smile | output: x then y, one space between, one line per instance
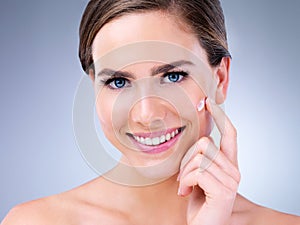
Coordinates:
156 142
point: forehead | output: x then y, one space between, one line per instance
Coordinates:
145 27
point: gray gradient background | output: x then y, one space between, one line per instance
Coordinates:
40 71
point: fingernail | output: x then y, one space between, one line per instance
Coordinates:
178 178
208 102
178 192
179 175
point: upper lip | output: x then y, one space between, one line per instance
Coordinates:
155 133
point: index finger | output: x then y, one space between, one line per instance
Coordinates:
228 143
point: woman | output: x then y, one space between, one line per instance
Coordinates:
158 110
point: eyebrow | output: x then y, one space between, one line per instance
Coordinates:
114 73
154 71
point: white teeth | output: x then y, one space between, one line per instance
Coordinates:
168 137
156 140
148 141
162 138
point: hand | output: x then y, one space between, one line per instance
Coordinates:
211 176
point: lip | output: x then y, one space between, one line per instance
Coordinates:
157 133
159 148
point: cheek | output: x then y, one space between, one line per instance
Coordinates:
201 121
104 107
112 109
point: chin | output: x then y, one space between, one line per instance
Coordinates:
159 166
161 170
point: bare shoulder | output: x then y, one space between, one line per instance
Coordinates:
55 209
249 213
86 204
263 215
35 212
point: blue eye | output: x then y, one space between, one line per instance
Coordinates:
117 83
173 77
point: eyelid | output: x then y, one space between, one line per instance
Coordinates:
112 78
107 82
181 72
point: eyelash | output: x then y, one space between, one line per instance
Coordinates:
107 83
110 80
182 73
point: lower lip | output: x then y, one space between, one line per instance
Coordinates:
159 148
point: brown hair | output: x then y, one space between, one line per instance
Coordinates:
204 17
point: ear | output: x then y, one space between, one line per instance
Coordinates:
222 73
92 75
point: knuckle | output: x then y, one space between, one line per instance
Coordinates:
239 176
233 186
236 175
204 141
234 132
204 144
224 192
229 194
198 159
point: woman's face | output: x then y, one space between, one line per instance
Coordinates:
147 108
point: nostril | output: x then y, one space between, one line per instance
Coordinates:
157 124
150 112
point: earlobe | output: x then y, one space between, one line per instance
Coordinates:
222 73
92 75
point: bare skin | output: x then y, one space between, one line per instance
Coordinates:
103 202
208 197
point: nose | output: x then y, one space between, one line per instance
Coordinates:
149 112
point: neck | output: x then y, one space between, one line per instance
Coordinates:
155 198
164 189
160 200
